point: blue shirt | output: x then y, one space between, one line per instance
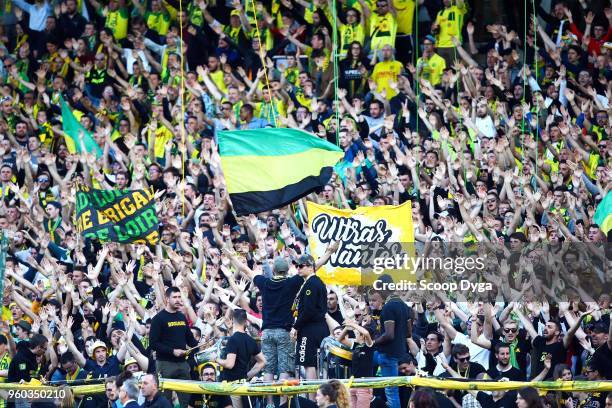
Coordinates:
38 13
255 123
110 368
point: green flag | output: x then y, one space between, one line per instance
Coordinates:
603 214
72 128
123 216
270 168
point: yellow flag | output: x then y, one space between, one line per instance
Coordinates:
373 241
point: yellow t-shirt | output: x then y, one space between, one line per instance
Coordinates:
450 21
269 112
158 22
162 136
348 34
382 30
405 15
217 78
591 167
432 68
384 72
117 21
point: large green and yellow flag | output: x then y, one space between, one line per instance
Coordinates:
123 216
71 128
268 168
603 214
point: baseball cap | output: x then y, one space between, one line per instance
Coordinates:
280 264
305 259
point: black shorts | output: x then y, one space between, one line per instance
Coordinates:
309 340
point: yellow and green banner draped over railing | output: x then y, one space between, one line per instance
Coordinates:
300 387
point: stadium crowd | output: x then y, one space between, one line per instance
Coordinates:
498 134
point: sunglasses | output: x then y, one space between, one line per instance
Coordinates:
463 359
300 266
510 330
358 315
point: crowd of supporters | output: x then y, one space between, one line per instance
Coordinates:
498 134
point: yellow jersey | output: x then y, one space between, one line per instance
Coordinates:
405 15
158 22
432 68
382 30
162 136
117 21
450 22
217 78
385 72
5 361
271 111
350 33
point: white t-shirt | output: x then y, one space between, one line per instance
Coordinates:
477 354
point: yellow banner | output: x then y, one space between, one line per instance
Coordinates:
373 241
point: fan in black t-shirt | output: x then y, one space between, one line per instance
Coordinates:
503 368
209 374
547 347
497 399
239 351
601 336
460 367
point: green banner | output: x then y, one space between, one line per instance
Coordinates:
123 216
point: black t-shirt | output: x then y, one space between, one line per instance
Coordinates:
300 402
557 351
522 350
487 401
277 295
337 316
23 366
603 358
513 374
170 331
397 311
312 303
472 372
210 401
244 347
363 361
